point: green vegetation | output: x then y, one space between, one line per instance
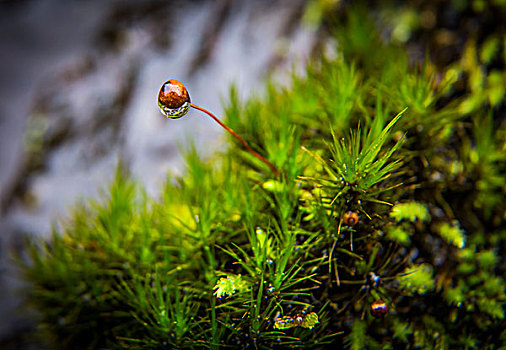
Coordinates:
233 256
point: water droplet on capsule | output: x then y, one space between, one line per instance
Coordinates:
173 99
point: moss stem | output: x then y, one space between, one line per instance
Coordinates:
250 150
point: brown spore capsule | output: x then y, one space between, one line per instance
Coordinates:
173 99
350 218
378 308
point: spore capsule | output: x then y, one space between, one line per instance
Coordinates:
173 99
350 218
378 308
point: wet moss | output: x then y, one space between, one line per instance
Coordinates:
231 251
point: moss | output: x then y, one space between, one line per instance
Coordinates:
234 255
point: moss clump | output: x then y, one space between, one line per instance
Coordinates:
234 256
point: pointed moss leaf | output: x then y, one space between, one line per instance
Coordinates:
417 279
264 243
229 286
452 234
489 49
411 211
372 151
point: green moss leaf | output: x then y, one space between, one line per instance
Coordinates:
306 321
491 307
489 49
487 259
398 234
411 211
418 279
452 234
357 337
454 296
230 285
401 330
310 320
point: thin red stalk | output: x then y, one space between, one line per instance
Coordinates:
263 159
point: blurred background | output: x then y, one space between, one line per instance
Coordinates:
78 90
